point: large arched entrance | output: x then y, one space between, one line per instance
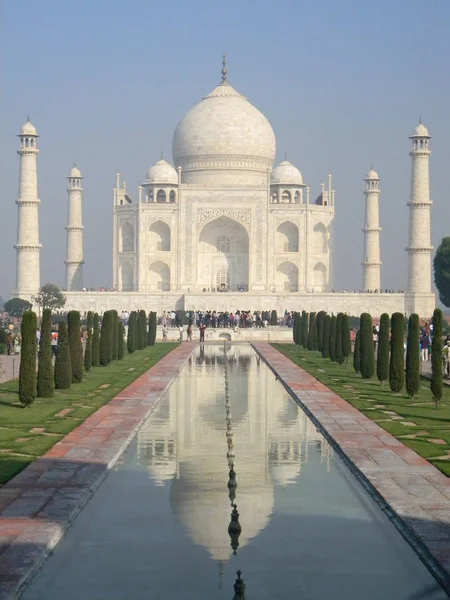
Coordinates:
223 256
159 277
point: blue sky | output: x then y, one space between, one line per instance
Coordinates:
106 81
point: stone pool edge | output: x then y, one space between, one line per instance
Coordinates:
379 461
38 506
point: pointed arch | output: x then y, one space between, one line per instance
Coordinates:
320 238
126 237
320 277
286 197
287 237
287 277
159 237
126 277
159 276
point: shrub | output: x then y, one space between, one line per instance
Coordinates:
346 338
143 333
114 336
152 327
326 336
96 341
357 352
120 340
436 357
294 328
76 348
397 363
304 329
319 329
383 349
299 328
413 356
274 318
339 338
45 383
131 337
367 350
27 370
332 338
63 368
312 331
106 339
88 346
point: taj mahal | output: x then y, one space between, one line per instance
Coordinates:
223 228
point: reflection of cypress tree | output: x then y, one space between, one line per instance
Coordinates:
115 327
96 341
27 369
312 331
397 362
305 329
332 337
45 384
120 340
339 338
326 336
412 356
76 348
383 349
88 346
357 352
436 357
63 368
366 346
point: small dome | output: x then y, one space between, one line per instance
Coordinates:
286 174
28 129
420 131
75 172
162 172
372 174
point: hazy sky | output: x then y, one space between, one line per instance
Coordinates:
343 83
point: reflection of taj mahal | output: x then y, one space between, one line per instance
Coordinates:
185 446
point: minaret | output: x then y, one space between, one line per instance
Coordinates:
28 247
419 247
74 256
371 258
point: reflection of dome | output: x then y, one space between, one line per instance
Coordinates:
223 132
28 129
285 473
204 511
162 172
420 131
286 174
162 470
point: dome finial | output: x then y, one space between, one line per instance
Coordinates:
285 156
224 69
420 120
162 154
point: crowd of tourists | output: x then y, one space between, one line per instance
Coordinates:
225 319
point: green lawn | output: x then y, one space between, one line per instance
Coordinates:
415 422
26 433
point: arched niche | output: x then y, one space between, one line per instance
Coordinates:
287 277
159 237
320 238
287 237
161 196
126 277
286 197
159 276
223 243
126 237
320 277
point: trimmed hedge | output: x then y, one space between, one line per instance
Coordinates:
332 338
339 338
383 349
436 357
357 352
142 331
63 368
413 356
88 345
76 348
326 336
304 340
27 370
319 328
397 363
115 327
346 338
96 341
274 318
131 337
367 350
45 383
152 327
120 340
312 331
106 339
294 328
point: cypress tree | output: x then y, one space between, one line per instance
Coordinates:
76 348
294 328
339 338
413 356
106 339
332 338
120 340
96 341
274 318
63 368
143 333
357 352
397 362
131 337
27 370
312 331
319 329
114 334
383 349
436 357
346 338
152 328
299 328
88 346
45 383
367 350
305 329
326 336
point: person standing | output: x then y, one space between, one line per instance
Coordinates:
202 332
181 332
164 332
189 333
424 346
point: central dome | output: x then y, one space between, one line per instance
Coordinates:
224 139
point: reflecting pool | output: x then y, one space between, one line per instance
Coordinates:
159 526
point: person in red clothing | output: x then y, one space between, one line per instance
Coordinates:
202 331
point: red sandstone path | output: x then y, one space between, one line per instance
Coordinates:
411 490
39 504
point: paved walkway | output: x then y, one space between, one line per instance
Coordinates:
413 492
9 367
39 504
